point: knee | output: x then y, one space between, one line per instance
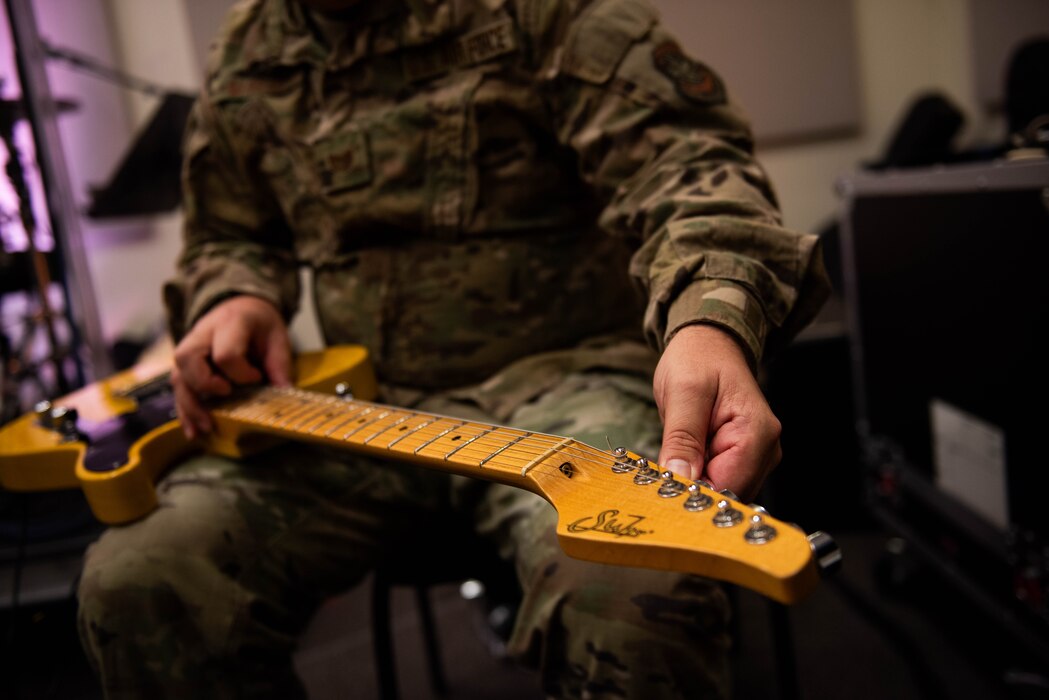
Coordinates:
156 575
597 630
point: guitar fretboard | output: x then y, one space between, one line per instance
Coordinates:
464 446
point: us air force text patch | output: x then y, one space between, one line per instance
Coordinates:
478 46
692 79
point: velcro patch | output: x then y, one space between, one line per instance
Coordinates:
692 79
480 45
343 162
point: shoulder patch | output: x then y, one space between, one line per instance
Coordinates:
693 80
603 34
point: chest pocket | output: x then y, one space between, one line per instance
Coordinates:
342 161
450 155
402 163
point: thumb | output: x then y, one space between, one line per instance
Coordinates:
686 421
276 357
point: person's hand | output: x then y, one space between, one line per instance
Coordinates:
242 340
717 425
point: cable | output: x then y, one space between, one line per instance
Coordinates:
90 65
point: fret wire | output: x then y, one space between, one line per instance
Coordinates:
586 458
262 413
438 436
295 404
326 414
364 425
277 409
266 399
389 427
503 448
594 456
311 410
413 431
354 415
257 404
540 458
479 435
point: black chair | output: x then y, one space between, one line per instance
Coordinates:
429 566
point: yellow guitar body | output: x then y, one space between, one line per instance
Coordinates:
35 457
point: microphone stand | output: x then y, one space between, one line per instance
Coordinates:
9 115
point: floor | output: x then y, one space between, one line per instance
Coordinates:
856 637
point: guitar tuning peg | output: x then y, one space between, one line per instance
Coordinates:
64 421
645 473
826 552
727 516
759 531
623 462
344 391
697 500
729 494
670 487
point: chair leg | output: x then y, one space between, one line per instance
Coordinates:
433 649
382 640
786 661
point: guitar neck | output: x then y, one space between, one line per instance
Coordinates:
613 507
470 448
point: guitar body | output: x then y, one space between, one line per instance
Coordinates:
129 437
613 505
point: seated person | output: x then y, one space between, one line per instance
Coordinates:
532 213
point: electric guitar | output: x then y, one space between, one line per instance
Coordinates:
114 440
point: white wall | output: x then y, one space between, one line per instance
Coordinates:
903 48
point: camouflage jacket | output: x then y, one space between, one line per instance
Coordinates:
476 181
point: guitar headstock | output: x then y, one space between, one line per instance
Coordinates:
630 512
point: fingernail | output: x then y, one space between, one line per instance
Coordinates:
679 467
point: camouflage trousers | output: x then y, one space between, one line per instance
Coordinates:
208 595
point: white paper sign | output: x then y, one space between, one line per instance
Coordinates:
969 455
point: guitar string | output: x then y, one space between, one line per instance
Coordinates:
588 454
308 400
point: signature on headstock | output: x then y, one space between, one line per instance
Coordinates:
608 522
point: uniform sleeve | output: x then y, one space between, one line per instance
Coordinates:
235 240
671 159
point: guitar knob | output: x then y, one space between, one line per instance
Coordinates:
64 421
42 409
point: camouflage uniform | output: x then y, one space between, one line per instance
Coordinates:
481 188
